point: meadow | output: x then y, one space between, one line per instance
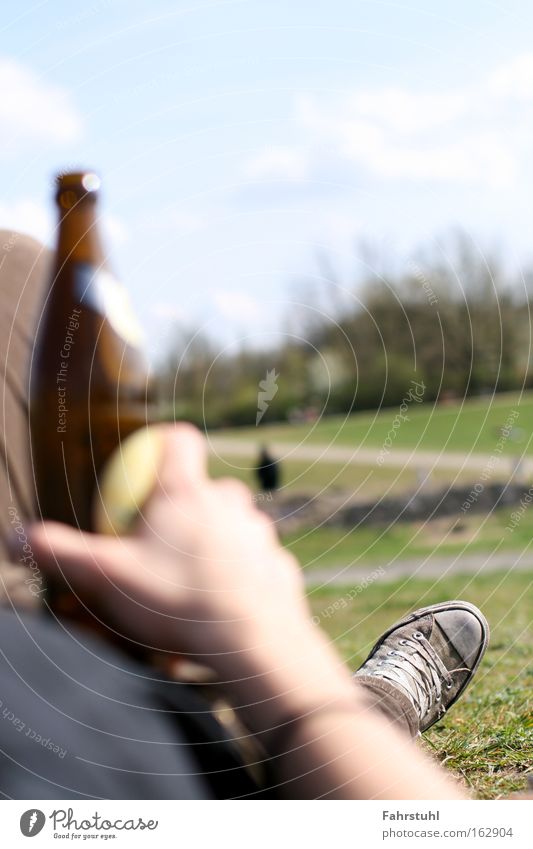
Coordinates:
487 738
470 425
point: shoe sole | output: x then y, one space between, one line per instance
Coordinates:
440 608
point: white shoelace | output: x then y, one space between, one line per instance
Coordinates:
418 670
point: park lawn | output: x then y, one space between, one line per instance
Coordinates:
469 534
310 477
363 482
472 425
486 740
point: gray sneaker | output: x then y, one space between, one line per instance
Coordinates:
428 657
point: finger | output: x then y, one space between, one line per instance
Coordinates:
183 458
235 490
153 462
85 561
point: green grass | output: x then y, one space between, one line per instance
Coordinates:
361 481
472 425
309 477
469 534
486 740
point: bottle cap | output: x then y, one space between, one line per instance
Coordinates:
75 185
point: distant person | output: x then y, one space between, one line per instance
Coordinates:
267 471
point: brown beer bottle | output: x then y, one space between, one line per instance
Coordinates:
89 379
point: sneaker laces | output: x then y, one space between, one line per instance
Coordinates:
418 670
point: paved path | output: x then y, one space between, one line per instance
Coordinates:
428 567
366 456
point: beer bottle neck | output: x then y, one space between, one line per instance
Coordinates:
79 238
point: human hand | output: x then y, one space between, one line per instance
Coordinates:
203 572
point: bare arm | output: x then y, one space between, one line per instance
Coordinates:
205 574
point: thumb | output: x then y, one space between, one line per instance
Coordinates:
184 458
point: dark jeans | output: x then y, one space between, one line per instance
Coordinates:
79 718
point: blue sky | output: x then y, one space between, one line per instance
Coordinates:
237 140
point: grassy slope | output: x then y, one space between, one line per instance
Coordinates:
487 738
471 534
470 426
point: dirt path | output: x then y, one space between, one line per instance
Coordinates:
365 456
427 567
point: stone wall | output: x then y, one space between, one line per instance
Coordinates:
294 512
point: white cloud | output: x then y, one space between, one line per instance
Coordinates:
476 157
336 229
115 230
236 306
359 139
409 112
33 111
27 216
278 163
173 219
463 135
472 155
513 80
183 221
